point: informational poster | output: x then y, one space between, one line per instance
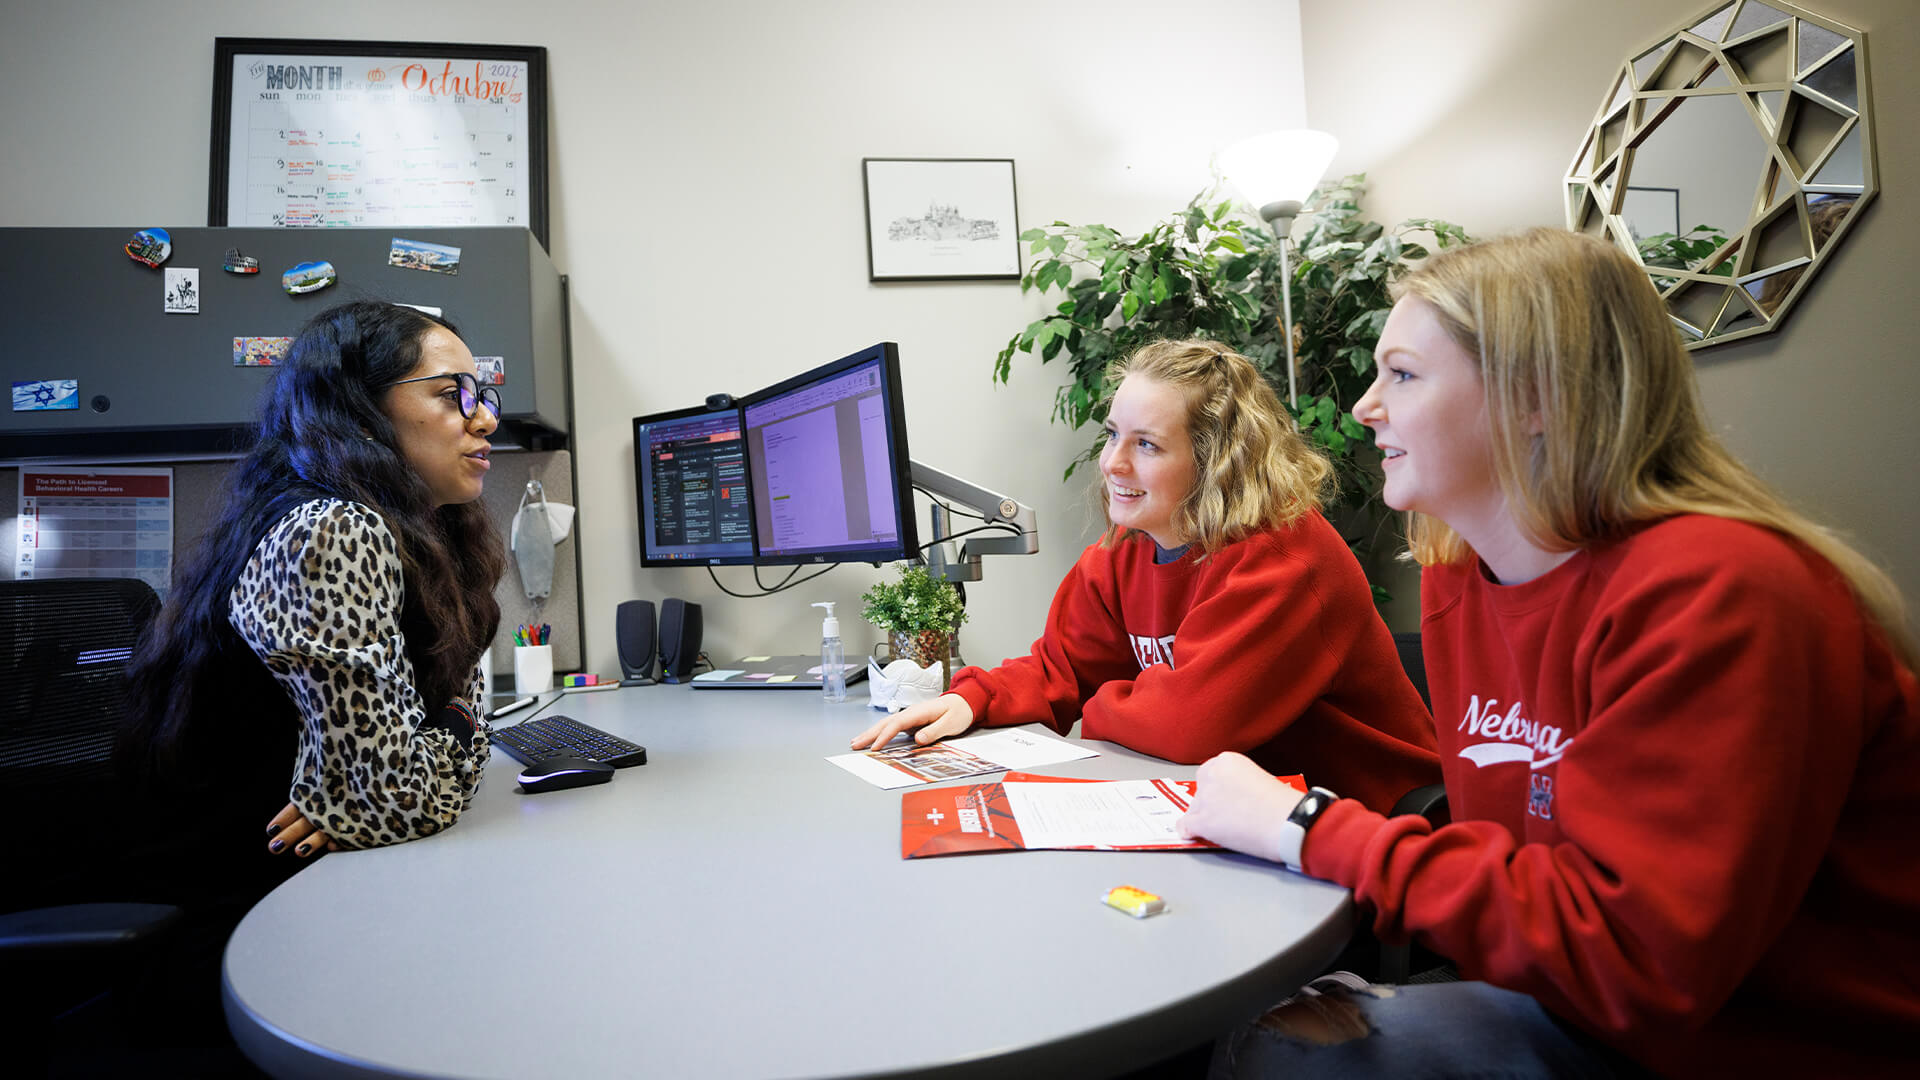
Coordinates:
111 521
326 139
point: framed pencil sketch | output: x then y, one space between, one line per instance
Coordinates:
377 134
941 219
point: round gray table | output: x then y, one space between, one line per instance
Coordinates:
738 907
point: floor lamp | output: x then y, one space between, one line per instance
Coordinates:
1276 172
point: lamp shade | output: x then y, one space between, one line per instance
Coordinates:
1280 166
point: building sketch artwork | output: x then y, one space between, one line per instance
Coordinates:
942 223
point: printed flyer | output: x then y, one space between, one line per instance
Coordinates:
1027 812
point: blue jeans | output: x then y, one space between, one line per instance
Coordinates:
1453 1030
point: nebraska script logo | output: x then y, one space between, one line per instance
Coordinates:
1510 736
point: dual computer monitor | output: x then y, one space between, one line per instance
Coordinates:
812 469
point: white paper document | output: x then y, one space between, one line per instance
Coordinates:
1121 813
904 763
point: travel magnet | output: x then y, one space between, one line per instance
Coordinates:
261 351
183 291
236 263
307 277
35 395
150 246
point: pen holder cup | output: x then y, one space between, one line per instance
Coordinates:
532 669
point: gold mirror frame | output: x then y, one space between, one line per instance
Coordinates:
1799 81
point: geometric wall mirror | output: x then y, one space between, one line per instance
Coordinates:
1731 156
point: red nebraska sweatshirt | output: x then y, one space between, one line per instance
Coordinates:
1684 771
1271 646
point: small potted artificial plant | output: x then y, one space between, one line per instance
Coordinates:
920 614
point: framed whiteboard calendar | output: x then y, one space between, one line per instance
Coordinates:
321 134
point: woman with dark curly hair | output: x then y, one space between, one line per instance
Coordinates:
312 681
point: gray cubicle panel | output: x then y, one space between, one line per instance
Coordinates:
158 385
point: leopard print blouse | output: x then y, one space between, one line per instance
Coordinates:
319 602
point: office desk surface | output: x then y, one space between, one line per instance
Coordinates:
738 907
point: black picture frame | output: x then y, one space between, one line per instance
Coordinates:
941 219
1655 206
427 106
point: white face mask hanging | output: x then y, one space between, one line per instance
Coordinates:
533 538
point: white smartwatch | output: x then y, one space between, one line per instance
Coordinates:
1293 831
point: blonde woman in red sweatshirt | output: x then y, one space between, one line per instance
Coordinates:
1679 722
1219 611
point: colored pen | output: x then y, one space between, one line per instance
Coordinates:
514 706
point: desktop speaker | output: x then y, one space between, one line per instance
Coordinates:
680 626
634 636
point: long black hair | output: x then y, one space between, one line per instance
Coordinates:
322 434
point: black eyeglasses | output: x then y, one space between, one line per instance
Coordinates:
472 394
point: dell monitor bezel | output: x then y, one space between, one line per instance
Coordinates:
641 477
906 541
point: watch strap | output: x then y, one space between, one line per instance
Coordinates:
1293 831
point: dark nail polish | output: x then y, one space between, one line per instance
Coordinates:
301 850
276 845
273 828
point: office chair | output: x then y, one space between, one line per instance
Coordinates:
64 648
1403 963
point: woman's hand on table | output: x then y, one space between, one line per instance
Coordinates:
290 831
930 721
1239 805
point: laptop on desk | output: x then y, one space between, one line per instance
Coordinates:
773 673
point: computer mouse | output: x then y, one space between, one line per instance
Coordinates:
557 773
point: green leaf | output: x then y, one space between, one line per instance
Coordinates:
1058 244
1035 234
1366 326
1130 306
1160 288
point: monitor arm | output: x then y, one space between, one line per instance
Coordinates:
995 507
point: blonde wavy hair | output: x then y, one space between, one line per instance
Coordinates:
1252 467
1566 329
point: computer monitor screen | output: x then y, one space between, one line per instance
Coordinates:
690 479
828 465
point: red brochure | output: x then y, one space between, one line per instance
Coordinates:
1025 811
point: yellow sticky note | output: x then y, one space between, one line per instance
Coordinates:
781 678
755 659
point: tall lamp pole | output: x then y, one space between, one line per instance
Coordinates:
1277 172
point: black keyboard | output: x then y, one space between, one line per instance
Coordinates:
534 741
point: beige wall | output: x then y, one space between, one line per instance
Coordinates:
1471 110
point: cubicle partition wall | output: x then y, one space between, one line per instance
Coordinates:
162 388
151 382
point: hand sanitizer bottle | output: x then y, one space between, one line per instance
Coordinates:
833 672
